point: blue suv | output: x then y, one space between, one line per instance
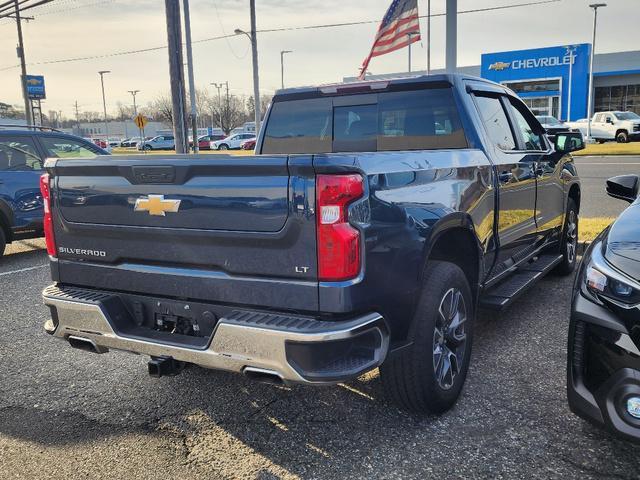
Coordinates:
22 154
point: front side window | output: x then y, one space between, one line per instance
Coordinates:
530 139
496 123
60 147
18 153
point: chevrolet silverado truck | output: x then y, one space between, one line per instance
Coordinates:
372 223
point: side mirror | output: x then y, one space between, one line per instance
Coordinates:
624 187
566 142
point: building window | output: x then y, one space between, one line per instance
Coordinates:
620 97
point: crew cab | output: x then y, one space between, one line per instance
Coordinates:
622 127
23 151
373 221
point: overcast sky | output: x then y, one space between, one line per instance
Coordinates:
61 30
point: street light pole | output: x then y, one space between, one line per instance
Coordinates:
219 87
192 84
254 54
104 104
135 108
595 7
282 54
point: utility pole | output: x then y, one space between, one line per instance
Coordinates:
176 74
104 105
452 36
77 118
428 37
23 66
192 86
595 7
282 54
135 108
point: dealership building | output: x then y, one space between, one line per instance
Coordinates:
555 80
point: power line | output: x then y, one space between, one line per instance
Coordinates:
273 30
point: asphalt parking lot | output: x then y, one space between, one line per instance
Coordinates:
67 414
594 171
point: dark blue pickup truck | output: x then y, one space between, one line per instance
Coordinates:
373 222
23 151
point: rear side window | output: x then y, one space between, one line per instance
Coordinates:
495 122
410 120
300 126
18 153
61 147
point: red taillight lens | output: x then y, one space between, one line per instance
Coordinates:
338 241
47 221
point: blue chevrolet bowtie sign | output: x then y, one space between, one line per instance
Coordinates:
35 87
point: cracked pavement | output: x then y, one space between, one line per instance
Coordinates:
70 414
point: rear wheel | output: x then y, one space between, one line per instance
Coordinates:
569 242
427 376
622 137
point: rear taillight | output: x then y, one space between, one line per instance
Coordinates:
47 220
338 241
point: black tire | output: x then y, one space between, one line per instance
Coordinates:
147 147
3 242
413 377
224 146
622 137
569 240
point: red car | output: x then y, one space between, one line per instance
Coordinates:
249 144
99 142
203 141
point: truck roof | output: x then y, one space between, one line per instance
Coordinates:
358 87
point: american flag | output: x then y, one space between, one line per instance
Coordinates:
399 28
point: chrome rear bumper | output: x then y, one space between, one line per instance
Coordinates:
243 341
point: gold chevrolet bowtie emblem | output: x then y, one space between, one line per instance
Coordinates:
156 205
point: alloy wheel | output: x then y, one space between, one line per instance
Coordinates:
572 236
449 338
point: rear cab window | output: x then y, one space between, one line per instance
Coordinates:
422 119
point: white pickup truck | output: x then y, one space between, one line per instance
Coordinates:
622 127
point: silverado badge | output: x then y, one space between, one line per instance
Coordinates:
156 205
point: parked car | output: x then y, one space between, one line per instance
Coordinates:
232 142
619 126
248 144
603 374
159 142
204 141
115 142
22 154
552 125
130 142
100 142
371 222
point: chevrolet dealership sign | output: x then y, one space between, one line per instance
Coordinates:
532 63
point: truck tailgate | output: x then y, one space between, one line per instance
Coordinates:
216 228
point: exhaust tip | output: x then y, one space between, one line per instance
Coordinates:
86 344
263 376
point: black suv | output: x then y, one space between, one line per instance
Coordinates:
22 154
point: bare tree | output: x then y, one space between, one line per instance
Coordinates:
231 114
265 100
160 109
